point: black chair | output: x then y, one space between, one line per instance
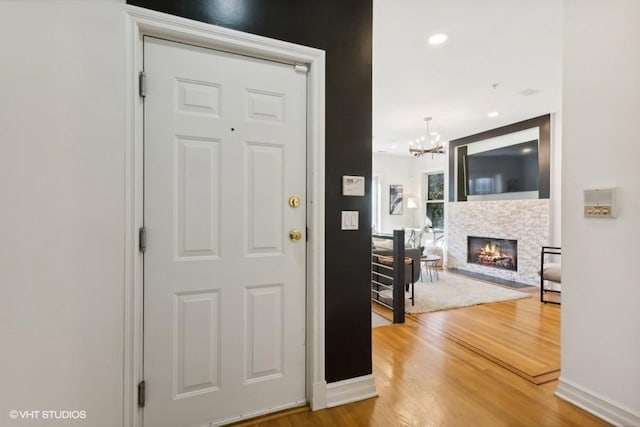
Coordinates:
549 272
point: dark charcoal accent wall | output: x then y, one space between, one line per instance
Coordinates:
343 29
462 165
544 154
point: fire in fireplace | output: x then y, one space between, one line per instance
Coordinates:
491 252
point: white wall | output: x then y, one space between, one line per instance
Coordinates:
393 169
62 215
601 257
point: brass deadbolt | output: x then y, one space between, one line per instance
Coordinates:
294 201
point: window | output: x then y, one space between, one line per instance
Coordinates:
434 185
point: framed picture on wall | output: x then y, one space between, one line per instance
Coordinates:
395 199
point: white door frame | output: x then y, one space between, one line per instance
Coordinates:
141 22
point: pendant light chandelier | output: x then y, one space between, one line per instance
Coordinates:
426 145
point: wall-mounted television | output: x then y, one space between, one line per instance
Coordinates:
509 169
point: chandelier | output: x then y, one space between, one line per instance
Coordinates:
425 145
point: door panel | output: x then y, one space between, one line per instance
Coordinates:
265 189
197 191
224 287
263 346
197 343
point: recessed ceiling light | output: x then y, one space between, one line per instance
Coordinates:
434 133
438 38
493 114
393 147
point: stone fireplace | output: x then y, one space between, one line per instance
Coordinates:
492 252
524 221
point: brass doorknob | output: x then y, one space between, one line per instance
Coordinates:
295 235
294 201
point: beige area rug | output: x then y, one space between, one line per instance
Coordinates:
453 291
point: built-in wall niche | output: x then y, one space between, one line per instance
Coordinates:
507 163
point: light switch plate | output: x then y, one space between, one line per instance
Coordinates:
349 220
352 185
600 203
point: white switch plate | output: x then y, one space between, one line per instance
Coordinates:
349 220
600 203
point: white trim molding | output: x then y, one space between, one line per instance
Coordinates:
610 411
141 22
351 390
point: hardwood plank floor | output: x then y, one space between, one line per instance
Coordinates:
426 379
523 336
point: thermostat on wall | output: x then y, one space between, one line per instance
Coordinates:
352 185
600 203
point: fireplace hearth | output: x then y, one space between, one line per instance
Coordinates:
492 252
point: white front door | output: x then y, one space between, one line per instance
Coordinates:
224 285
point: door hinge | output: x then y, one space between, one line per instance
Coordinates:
142 84
142 239
301 68
141 394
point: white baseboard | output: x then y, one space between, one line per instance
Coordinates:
608 410
318 396
351 390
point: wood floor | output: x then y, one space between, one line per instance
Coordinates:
425 378
523 337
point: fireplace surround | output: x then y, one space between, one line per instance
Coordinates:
527 221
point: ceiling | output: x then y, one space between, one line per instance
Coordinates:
516 44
